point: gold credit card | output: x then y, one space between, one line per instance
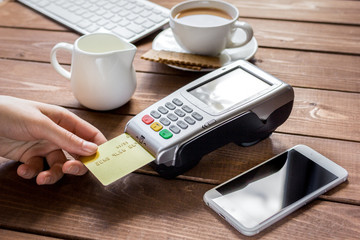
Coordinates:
117 158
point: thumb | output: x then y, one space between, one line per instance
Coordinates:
68 141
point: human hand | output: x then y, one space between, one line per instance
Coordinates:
31 131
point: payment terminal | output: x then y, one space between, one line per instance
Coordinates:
237 103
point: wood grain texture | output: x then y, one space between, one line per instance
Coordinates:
147 207
12 235
314 112
306 36
26 18
36 44
346 12
312 45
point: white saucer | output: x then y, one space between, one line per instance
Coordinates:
166 41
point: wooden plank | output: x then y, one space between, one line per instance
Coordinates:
26 18
325 113
12 235
316 112
232 160
147 207
36 45
307 36
311 69
302 69
340 12
33 45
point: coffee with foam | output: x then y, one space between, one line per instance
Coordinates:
203 17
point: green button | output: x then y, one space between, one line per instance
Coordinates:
165 134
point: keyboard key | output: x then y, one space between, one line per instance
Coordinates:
110 25
155 114
84 23
182 124
123 32
179 113
135 28
92 28
163 110
145 13
197 116
124 22
147 119
165 121
187 109
170 106
177 102
166 134
148 24
189 120
140 20
144 17
63 13
131 16
172 117
156 18
156 126
174 129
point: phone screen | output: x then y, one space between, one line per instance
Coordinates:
264 191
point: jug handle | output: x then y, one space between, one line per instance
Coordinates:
67 47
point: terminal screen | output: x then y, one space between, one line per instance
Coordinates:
229 89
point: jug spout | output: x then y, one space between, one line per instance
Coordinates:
129 53
126 53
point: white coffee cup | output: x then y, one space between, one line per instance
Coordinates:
102 74
208 37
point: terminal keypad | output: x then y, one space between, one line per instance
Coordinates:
174 115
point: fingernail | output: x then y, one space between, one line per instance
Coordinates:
89 147
47 180
73 170
23 172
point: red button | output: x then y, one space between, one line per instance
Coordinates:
147 119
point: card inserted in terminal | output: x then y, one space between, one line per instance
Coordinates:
117 158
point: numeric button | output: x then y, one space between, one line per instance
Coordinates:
170 106
163 110
155 114
174 129
165 121
197 116
172 117
187 109
182 124
179 113
177 102
189 120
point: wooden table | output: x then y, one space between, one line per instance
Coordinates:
314 45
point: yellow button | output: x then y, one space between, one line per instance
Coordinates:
156 126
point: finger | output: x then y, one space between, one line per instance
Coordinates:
74 124
55 159
71 132
67 140
74 167
50 176
30 168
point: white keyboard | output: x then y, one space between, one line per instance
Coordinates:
129 19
